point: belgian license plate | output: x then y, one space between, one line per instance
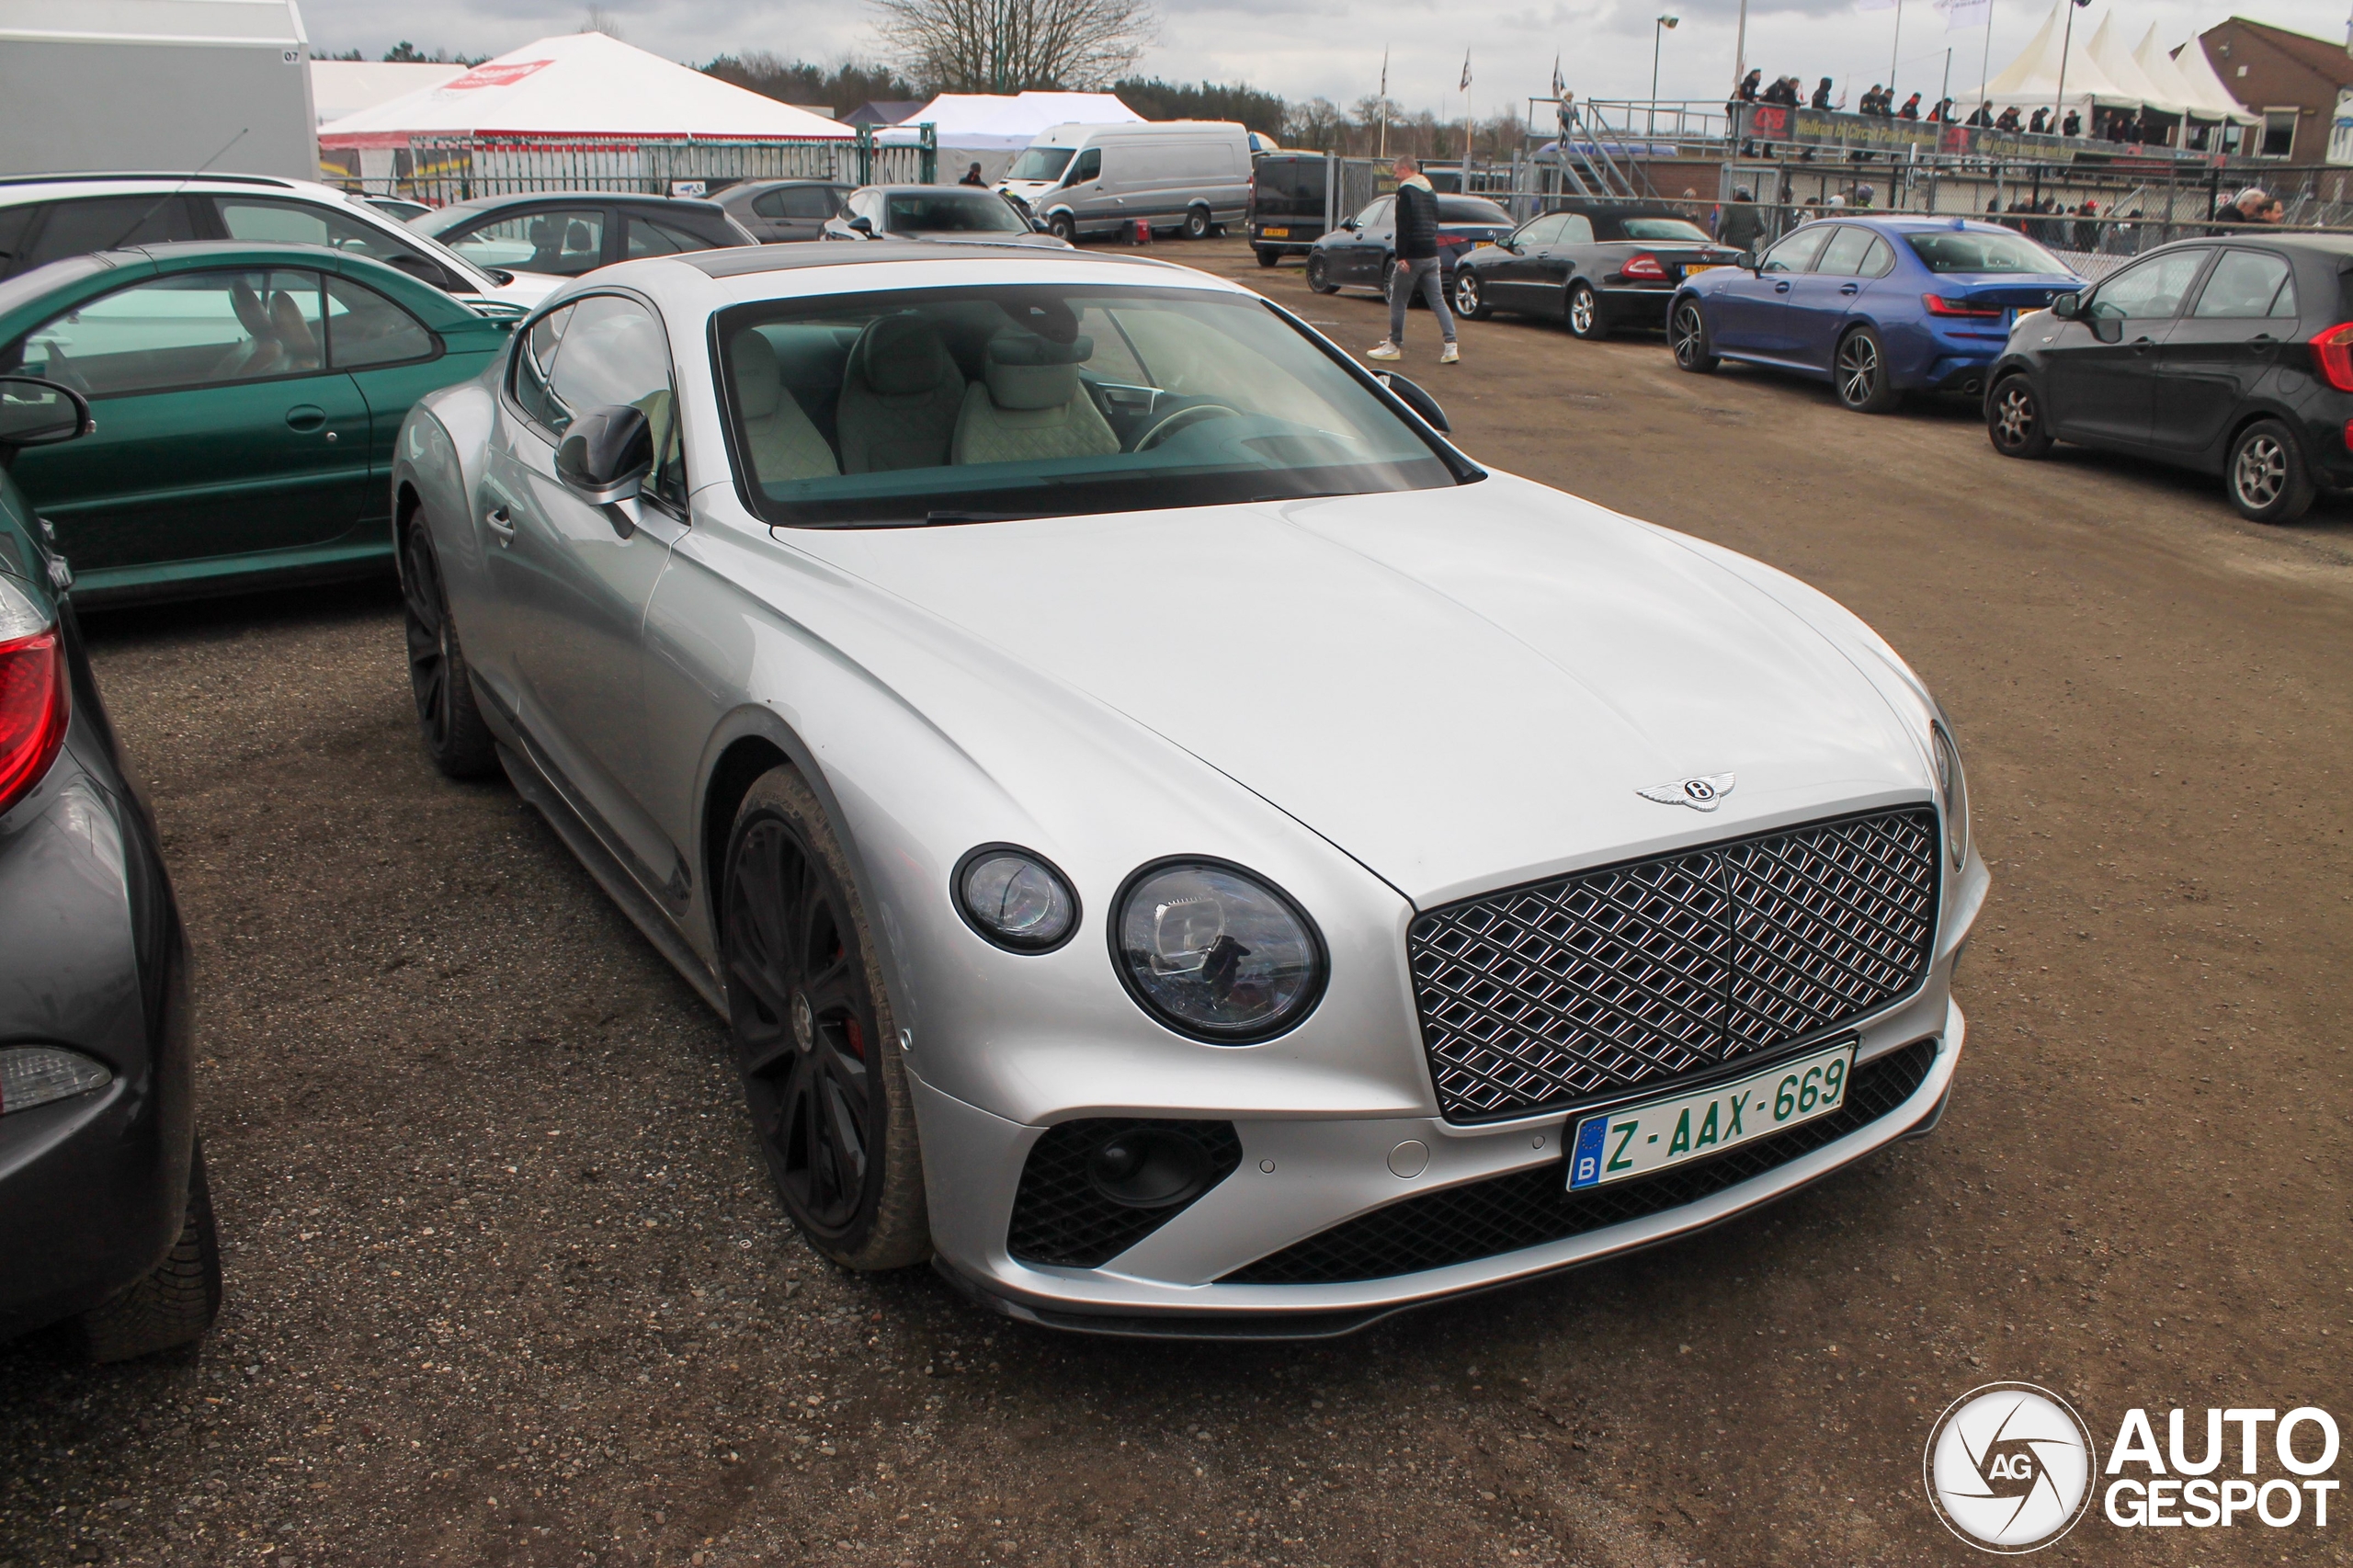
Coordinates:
1640 1140
1703 266
1276 233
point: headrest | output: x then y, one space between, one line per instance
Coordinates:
1029 372
248 304
901 355
758 383
287 325
542 232
577 238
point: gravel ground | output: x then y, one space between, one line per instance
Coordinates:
506 1284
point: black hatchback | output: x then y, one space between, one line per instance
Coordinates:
1595 265
2229 356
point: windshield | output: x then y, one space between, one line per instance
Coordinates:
979 403
1471 210
1973 250
1680 228
1040 163
951 211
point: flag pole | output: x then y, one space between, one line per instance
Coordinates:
1382 107
2066 47
1895 48
1986 62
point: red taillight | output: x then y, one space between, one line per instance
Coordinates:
33 710
2333 353
1644 265
1940 306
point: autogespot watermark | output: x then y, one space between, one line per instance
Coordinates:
2011 1468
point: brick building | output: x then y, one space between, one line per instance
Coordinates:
2291 79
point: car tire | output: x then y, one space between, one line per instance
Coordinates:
1060 226
1583 313
1687 336
1859 374
2014 421
2266 477
1267 255
816 1039
1470 302
1198 224
176 1301
457 740
1319 274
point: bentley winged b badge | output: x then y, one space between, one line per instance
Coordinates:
1700 794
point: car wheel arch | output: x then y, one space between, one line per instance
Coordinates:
2251 414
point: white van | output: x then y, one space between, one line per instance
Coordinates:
1186 175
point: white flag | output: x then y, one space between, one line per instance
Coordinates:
1962 14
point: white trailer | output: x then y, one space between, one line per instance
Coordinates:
155 84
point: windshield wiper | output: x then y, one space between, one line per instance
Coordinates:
952 516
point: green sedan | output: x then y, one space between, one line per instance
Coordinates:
246 398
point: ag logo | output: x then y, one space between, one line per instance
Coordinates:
2009 1468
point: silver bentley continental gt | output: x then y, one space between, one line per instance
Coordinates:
1175 841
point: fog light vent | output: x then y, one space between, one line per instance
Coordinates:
36 1074
1091 1189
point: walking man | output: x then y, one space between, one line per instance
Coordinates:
1416 264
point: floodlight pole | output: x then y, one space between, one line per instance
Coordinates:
1739 54
2066 47
1986 62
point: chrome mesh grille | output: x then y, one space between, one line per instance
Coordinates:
1544 995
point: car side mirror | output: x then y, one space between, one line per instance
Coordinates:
607 454
1349 225
2067 306
424 271
1414 398
864 225
36 413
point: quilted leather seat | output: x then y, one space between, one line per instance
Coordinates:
778 439
898 399
1031 407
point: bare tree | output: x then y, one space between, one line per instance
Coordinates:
599 20
1005 46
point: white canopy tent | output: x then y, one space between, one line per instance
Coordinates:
2108 52
2211 101
339 88
2041 78
991 128
580 85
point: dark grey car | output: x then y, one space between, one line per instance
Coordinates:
952 213
566 233
777 210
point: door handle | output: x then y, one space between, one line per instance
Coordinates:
1781 288
501 521
2143 345
1850 288
305 417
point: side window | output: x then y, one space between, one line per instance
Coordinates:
1843 256
364 328
1880 260
2244 283
191 330
614 351
294 223
866 204
2152 289
1540 231
1576 229
1376 216
1088 166
534 363
769 204
650 236
77 228
566 243
16 228
806 201
1796 254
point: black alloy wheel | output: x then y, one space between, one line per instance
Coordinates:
1319 274
1687 334
1197 223
2014 419
1858 371
2266 477
813 1035
1584 314
456 739
1470 300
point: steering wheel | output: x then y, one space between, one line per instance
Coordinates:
1185 419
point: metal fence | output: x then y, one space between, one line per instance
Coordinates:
438 170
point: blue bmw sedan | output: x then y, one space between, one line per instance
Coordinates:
1876 306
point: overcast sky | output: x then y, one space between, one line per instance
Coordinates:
1333 48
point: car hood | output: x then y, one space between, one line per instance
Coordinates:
1459 689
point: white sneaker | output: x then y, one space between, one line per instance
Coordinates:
1384 350
1447 355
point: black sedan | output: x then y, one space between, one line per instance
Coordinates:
104 1219
778 210
1597 265
2230 356
565 234
952 213
1363 250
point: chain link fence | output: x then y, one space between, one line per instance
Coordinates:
439 170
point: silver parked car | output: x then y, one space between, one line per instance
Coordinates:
1173 837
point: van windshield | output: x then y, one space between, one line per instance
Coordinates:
1040 163
982 403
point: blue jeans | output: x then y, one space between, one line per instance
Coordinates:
1409 275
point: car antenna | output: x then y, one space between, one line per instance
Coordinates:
176 190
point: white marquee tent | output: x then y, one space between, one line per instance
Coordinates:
580 85
991 128
339 88
2211 99
2108 52
2034 80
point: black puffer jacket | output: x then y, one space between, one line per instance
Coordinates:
1416 223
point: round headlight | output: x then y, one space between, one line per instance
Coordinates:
1215 953
1953 794
1015 899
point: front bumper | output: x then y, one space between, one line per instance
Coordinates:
1300 1178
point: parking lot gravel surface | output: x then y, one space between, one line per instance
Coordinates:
507 1283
